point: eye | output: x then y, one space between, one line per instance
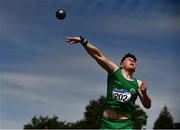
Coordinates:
131 60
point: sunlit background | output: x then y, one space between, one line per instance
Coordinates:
41 74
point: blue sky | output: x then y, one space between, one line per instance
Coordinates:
41 74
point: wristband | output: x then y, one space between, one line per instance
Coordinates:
83 41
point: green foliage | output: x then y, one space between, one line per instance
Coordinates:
91 120
93 114
164 121
94 111
176 125
45 122
140 117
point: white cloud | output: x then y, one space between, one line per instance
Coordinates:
33 82
65 97
146 27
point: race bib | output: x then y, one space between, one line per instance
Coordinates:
121 95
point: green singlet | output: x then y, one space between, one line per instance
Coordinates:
121 96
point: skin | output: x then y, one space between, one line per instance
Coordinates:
128 67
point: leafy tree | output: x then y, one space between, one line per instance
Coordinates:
92 118
176 125
45 122
140 117
164 121
93 114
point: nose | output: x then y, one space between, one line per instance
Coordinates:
132 60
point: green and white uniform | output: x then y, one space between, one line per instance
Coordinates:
121 96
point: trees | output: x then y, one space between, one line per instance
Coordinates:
93 114
92 117
140 117
176 125
164 121
45 122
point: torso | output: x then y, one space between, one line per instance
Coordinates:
121 96
111 113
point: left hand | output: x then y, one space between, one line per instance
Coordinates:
73 40
143 88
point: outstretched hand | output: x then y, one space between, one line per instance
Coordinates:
73 40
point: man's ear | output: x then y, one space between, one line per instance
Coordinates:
121 65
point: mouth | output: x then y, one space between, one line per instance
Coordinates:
132 64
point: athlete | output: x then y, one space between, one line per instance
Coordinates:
122 88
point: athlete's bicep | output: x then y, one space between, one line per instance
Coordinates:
107 64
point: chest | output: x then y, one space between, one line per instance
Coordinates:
121 83
123 90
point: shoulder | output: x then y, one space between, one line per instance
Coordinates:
115 70
115 73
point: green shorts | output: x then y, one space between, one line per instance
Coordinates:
108 123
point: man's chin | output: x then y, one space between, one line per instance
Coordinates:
132 69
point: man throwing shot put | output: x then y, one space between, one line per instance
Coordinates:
122 88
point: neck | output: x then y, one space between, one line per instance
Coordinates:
127 74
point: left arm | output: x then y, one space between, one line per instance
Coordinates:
142 91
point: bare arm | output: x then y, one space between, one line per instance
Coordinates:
105 63
145 99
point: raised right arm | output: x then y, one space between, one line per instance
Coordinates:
101 59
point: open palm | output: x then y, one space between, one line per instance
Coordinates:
73 39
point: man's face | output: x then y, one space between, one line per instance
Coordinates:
129 64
